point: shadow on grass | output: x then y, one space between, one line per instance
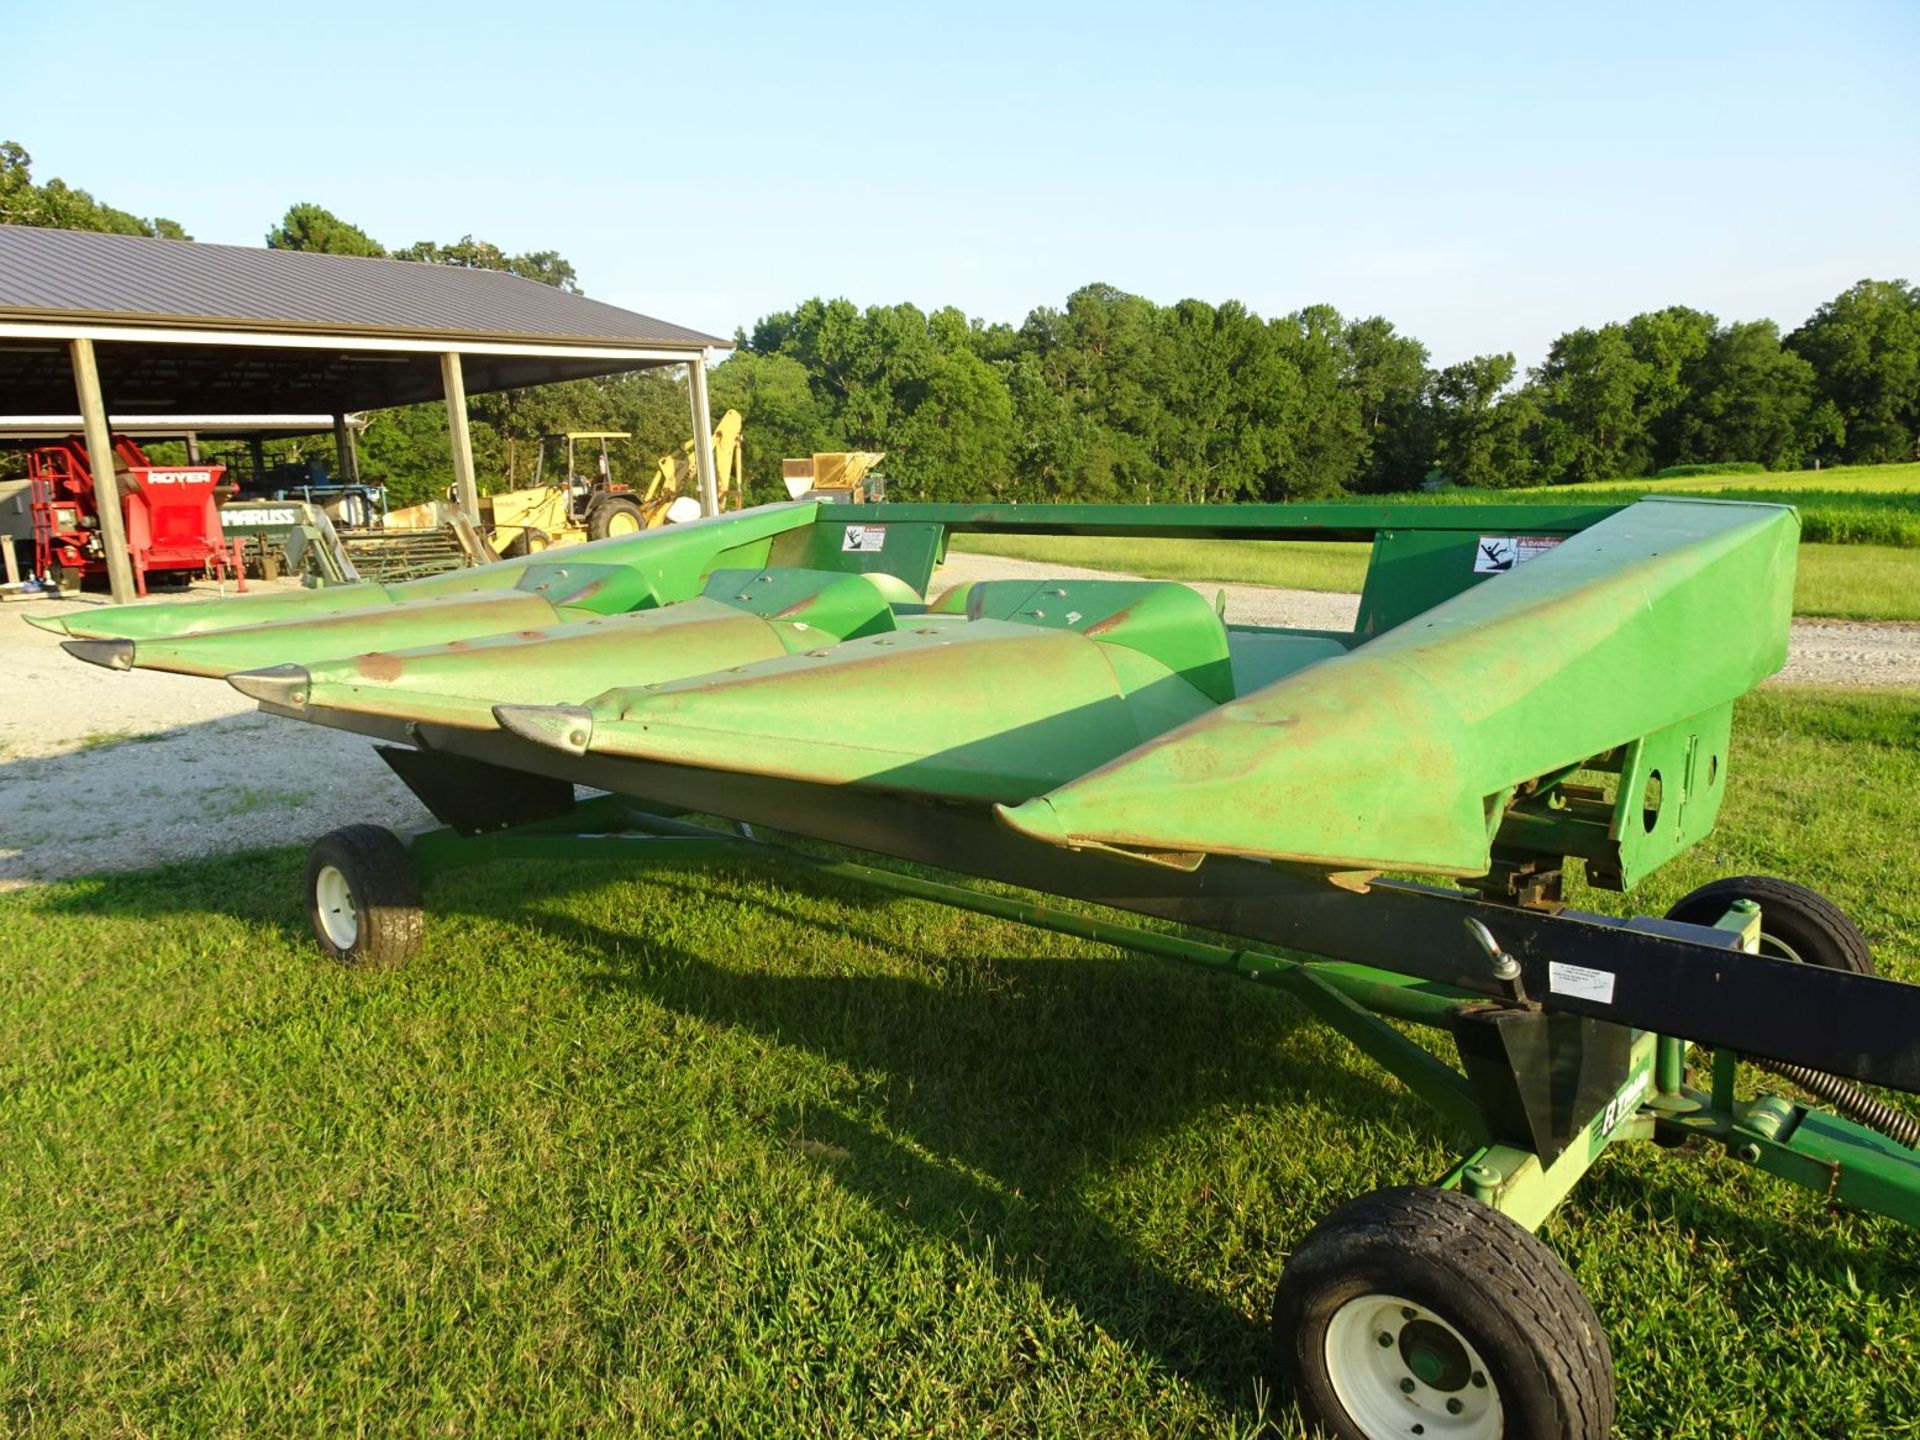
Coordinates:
1879 1257
1001 1087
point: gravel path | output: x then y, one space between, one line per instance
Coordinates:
101 770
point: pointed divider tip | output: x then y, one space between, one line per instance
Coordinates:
558 727
1035 819
114 654
275 685
55 623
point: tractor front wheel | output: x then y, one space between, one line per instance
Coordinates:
362 898
1416 1311
615 515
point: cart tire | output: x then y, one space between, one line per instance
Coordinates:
615 515
1420 1311
1795 923
362 898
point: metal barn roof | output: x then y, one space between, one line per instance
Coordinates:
228 329
128 279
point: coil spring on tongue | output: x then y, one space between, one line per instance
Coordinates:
1851 1100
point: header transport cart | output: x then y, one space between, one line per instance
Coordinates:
1525 688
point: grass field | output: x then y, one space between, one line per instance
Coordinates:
729 1153
1848 582
1859 557
1847 505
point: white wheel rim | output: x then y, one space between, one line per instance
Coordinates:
1400 1370
333 901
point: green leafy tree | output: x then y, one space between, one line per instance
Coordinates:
783 419
1864 346
1390 380
1588 392
1668 344
1331 444
1749 399
57 206
1481 429
315 228
547 267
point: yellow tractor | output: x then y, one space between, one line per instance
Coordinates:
594 506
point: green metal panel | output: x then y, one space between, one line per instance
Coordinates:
605 577
887 545
1401 753
1850 1162
980 710
746 616
1346 520
1414 570
425 622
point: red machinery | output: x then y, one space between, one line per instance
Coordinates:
171 513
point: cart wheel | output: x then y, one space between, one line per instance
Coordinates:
362 899
1795 923
1416 1311
615 515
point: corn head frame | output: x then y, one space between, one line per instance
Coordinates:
1525 689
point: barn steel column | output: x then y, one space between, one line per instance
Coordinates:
466 493
702 435
343 457
106 484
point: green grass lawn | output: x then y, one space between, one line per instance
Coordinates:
733 1153
1851 582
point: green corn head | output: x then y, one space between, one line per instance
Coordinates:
1547 681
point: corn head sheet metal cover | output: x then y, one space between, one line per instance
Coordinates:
1525 689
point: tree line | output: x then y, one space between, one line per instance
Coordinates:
1113 397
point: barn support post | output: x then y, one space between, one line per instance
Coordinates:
343 455
453 382
702 434
106 484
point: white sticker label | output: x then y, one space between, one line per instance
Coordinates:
1497 553
864 538
257 515
1580 982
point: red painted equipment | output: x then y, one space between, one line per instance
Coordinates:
171 513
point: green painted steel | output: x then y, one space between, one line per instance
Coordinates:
1404 752
745 616
606 577
1119 714
1343 520
981 709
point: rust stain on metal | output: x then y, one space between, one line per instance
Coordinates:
380 665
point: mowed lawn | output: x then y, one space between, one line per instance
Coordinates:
738 1152
1847 582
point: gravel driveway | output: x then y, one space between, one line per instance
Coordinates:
102 770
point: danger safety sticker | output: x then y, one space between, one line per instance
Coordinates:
1507 552
867 538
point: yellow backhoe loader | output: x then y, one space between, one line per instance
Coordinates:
593 505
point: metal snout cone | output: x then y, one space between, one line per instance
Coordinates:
558 727
286 685
113 654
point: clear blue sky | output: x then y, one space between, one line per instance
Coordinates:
1485 175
